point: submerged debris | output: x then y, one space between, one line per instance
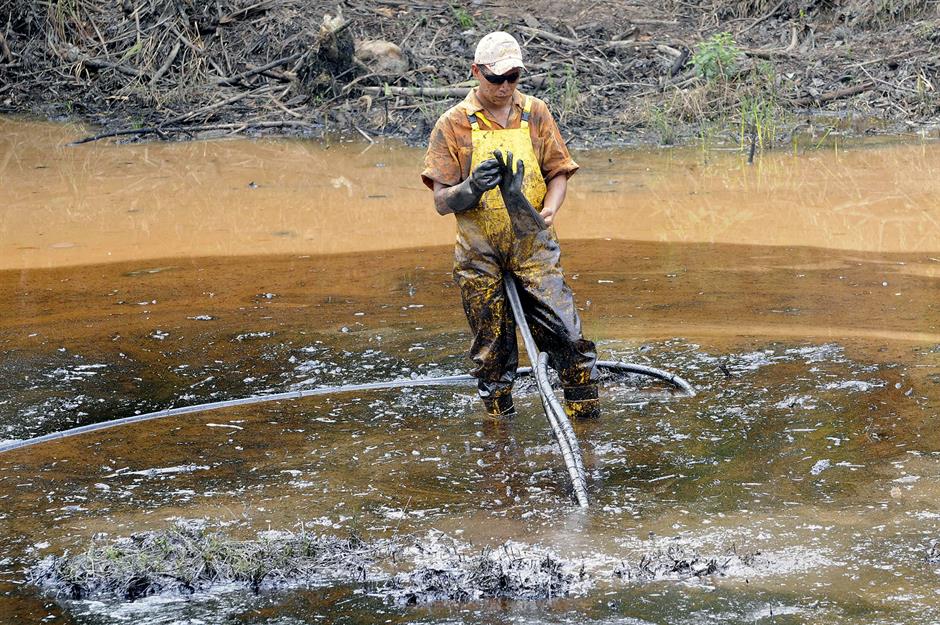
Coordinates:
186 558
507 572
190 558
679 562
932 555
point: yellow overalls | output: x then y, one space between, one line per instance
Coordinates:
486 247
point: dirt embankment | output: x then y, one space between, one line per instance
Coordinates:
749 71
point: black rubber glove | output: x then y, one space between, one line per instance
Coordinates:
467 194
526 221
486 176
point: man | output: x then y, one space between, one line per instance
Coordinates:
469 165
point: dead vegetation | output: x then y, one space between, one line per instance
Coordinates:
678 561
747 71
190 557
185 559
504 573
932 552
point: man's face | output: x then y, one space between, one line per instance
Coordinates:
497 94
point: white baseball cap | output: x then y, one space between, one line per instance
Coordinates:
500 52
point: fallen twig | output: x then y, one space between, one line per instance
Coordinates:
653 22
669 51
835 95
263 68
167 63
364 134
432 92
162 131
211 107
631 43
549 36
249 11
284 108
72 54
764 17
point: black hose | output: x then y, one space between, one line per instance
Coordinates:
450 380
554 412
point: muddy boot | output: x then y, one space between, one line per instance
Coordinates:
581 402
500 406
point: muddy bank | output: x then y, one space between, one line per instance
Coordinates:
715 71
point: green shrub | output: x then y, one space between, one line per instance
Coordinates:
716 57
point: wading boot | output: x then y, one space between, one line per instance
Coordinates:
500 406
581 402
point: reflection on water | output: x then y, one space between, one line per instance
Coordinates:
810 455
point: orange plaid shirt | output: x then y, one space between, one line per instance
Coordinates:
450 148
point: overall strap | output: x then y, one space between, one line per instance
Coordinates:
474 118
474 122
526 110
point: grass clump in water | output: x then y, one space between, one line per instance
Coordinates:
187 558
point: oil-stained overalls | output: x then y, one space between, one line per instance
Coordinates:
486 247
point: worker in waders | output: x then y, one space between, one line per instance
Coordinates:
498 163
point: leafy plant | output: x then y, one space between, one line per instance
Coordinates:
717 57
464 19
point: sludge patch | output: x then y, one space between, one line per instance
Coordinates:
510 571
186 559
679 562
189 558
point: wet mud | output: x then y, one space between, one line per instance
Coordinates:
798 486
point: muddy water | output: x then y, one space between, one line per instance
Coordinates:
103 203
800 296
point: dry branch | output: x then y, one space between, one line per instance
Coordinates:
835 95
164 131
763 18
167 63
653 22
258 70
75 56
431 92
535 32
211 107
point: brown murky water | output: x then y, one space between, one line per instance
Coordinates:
800 295
101 203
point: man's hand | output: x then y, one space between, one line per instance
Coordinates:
467 194
525 220
548 215
486 176
509 183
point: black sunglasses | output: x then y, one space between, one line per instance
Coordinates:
498 80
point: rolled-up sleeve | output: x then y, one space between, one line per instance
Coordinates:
442 162
554 158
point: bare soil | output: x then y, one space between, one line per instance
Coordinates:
613 72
